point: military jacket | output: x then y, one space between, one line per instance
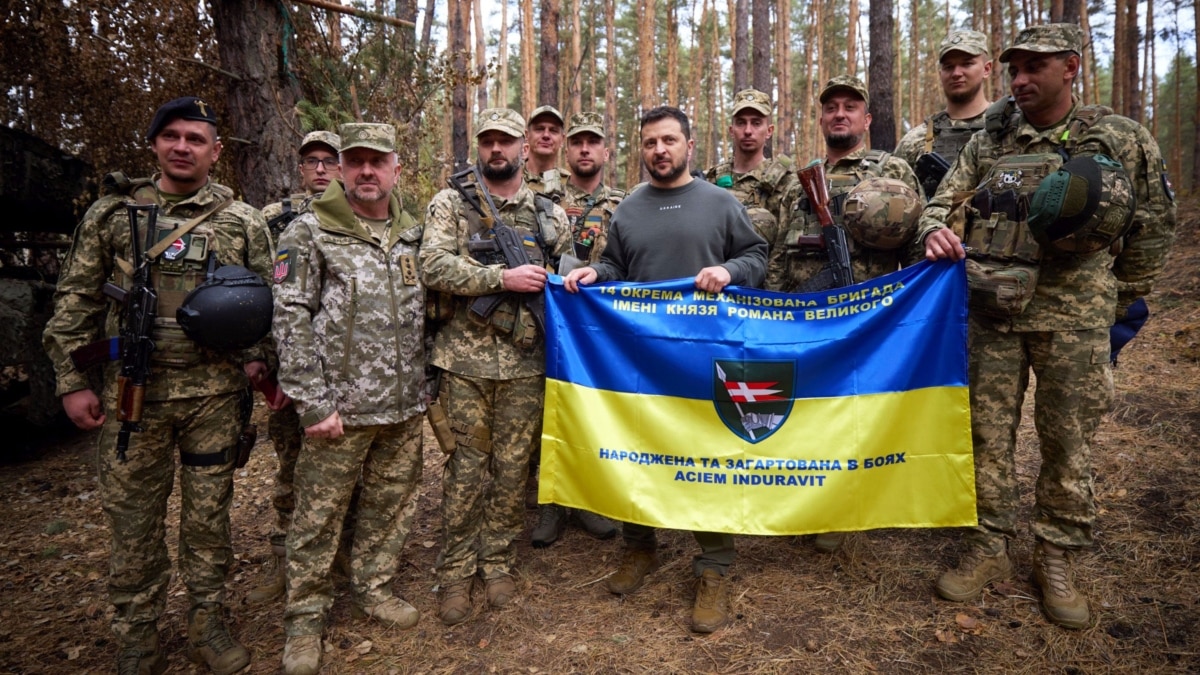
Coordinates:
298 203
792 265
350 315
589 215
551 183
949 137
236 235
1076 292
761 188
464 345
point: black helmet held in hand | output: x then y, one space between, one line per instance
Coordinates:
231 310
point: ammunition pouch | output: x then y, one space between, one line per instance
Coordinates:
172 348
435 414
1000 290
439 307
479 438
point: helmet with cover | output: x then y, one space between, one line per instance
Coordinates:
881 213
1083 207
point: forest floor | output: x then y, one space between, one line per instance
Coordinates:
870 607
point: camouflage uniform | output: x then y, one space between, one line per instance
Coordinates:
790 266
587 212
551 183
761 190
492 388
192 399
1062 335
349 320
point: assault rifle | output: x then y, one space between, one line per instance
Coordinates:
505 246
837 272
133 347
931 168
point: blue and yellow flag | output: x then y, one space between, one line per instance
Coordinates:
756 412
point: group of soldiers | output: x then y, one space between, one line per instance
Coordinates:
1062 211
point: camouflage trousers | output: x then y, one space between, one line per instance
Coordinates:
483 486
716 548
1073 390
389 460
286 436
135 495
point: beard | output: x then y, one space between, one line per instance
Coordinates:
842 141
367 193
674 171
964 96
588 172
501 173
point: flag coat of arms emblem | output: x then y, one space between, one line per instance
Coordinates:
756 412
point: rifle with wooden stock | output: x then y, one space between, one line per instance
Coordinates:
832 240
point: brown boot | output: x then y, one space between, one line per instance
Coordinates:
143 657
711 610
390 612
975 570
501 590
302 655
1052 573
455 602
275 584
209 641
636 563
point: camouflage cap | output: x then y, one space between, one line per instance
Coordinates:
502 119
324 138
381 137
546 110
1051 38
847 83
588 121
967 41
753 99
185 108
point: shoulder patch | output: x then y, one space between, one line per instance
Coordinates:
283 267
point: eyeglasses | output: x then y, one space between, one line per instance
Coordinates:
310 163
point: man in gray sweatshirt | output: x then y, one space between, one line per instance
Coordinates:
677 227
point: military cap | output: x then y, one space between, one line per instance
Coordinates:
502 119
844 82
185 108
753 99
588 121
324 138
546 110
381 137
1051 38
967 41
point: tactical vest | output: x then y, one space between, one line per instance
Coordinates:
1003 256
946 138
583 224
803 225
173 274
767 185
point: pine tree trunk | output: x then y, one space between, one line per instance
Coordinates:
480 57
852 40
1195 113
459 11
502 77
548 78
672 53
260 104
784 121
528 57
1133 95
883 124
574 88
761 45
610 84
646 63
741 45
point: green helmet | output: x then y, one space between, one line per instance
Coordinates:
881 213
1083 207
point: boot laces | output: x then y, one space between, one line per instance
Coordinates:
708 595
215 634
1057 571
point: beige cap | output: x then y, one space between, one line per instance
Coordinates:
502 119
967 41
546 110
1051 38
847 83
381 137
589 121
753 99
324 138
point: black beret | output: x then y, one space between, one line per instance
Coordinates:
186 108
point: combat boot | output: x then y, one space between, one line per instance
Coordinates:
595 524
302 655
455 604
501 590
390 612
276 582
975 570
829 542
711 610
209 641
552 518
636 563
1052 573
143 657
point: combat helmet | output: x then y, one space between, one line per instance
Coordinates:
881 213
231 310
1084 206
